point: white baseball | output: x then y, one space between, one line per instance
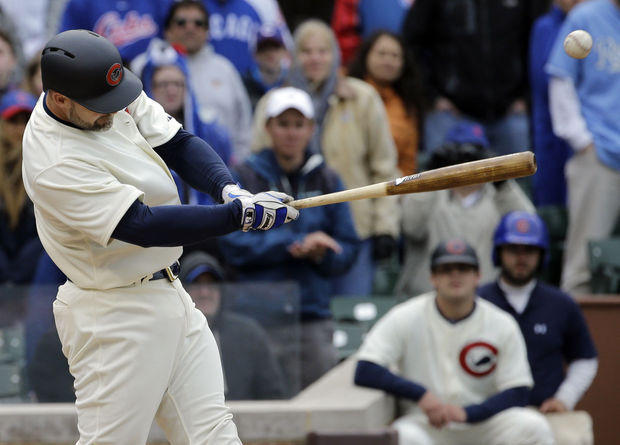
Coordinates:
578 44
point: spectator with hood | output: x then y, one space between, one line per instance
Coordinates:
251 369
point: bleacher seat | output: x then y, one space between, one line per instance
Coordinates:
604 256
348 337
353 318
364 311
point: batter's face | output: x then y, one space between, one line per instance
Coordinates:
385 60
88 120
519 263
188 28
455 282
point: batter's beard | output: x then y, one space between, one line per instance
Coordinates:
104 123
518 281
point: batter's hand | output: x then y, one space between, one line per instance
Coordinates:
434 409
553 405
266 210
232 192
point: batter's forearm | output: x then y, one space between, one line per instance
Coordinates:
168 226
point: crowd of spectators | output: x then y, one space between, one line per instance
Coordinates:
310 101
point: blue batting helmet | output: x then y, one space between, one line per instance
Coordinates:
520 227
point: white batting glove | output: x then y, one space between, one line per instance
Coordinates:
266 210
232 192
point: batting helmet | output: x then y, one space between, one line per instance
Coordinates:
520 227
88 69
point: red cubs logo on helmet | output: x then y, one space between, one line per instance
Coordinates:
522 225
455 247
114 75
478 358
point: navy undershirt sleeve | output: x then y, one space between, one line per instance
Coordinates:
196 163
372 375
509 398
176 225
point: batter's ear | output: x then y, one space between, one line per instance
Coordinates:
57 98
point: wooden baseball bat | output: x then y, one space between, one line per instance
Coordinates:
498 168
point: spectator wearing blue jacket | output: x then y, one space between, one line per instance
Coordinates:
321 244
128 24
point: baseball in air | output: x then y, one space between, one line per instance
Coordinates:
578 44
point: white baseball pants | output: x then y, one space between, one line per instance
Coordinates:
514 426
139 353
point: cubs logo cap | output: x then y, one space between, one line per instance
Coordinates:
286 98
88 69
454 251
16 101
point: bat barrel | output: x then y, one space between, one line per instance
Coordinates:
499 168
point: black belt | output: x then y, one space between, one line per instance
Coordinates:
171 273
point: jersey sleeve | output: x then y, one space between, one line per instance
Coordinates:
513 368
155 125
84 198
383 344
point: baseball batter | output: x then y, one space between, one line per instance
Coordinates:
460 358
96 158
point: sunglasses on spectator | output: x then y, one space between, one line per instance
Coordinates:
199 23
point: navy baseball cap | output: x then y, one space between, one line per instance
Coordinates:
197 263
467 133
16 101
268 36
454 251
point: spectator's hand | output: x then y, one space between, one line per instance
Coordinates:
314 246
456 413
518 107
433 408
553 405
266 210
585 150
445 104
383 246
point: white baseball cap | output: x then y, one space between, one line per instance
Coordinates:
282 99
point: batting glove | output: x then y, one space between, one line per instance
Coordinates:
266 210
232 192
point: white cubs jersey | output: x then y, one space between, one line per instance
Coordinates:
462 363
83 182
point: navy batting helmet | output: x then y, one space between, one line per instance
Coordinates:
520 227
88 69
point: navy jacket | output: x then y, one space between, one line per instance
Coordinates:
263 255
555 333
